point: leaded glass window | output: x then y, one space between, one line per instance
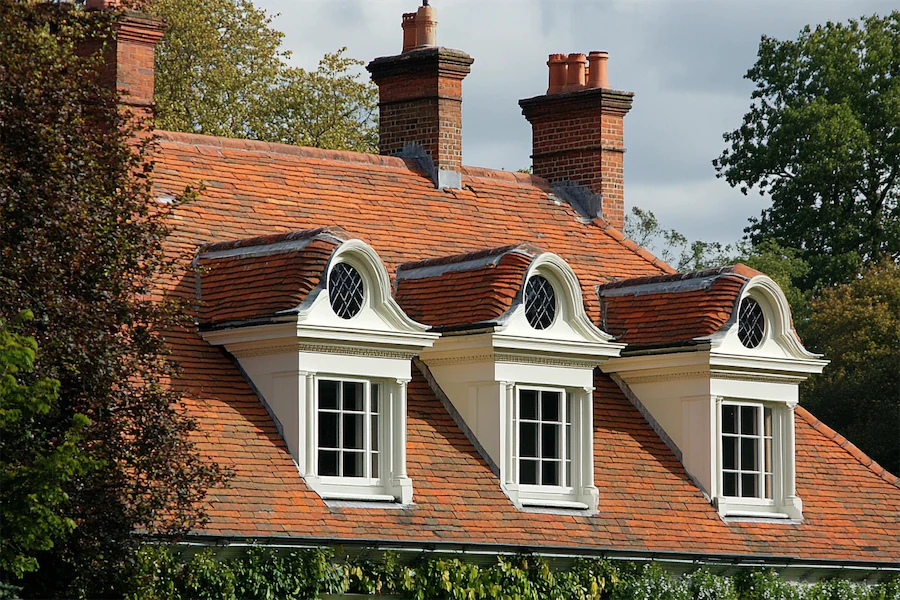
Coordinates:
751 323
540 302
346 290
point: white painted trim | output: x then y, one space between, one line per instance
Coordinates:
553 503
784 503
326 495
558 272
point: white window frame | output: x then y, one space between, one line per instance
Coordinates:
783 502
580 493
391 483
370 478
760 411
565 443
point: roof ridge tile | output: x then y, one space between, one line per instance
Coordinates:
516 177
404 269
711 273
200 140
268 240
619 235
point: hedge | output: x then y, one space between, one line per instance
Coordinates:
262 573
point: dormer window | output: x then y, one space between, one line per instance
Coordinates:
747 449
540 302
336 391
714 361
516 360
348 428
751 323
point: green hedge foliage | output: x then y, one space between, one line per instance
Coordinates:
264 574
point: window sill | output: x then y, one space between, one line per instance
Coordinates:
357 497
753 514
755 509
397 490
547 503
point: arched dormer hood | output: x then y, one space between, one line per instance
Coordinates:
515 359
488 290
702 309
714 363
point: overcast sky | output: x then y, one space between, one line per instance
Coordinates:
683 59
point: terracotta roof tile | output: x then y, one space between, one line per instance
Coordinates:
256 188
647 501
258 277
475 287
672 309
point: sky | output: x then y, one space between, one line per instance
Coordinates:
684 60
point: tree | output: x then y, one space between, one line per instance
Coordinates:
857 326
672 246
786 268
81 246
33 467
821 139
220 72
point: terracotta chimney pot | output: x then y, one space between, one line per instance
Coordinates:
574 73
409 31
597 73
557 64
426 26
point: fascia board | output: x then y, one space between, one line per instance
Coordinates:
292 331
770 364
657 362
713 362
489 344
253 333
528 345
417 340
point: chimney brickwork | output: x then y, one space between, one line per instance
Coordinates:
128 64
578 132
420 102
420 97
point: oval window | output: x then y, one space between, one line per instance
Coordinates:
345 290
540 302
751 323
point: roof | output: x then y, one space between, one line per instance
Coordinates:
255 188
469 288
259 277
647 500
672 309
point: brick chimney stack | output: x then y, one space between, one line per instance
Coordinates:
128 65
420 99
577 131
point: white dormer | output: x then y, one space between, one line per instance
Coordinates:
333 371
523 386
726 401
